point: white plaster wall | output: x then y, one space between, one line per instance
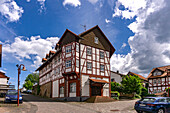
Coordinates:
55 88
3 81
117 77
106 90
85 85
61 95
72 94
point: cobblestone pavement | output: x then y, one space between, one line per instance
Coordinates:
35 104
123 106
46 105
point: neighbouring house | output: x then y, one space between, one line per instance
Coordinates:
66 74
116 76
4 86
159 79
144 80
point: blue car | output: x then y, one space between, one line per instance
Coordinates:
12 96
153 105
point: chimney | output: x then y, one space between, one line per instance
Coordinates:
118 71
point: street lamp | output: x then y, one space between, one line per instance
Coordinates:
19 72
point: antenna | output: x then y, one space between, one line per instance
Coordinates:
84 26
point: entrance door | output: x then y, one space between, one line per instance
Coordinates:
95 91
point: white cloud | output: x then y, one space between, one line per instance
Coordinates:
10 10
93 1
107 21
34 48
2 71
124 45
28 0
42 4
74 3
150 46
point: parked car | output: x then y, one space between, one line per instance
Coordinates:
11 96
153 105
29 91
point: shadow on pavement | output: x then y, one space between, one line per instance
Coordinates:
33 98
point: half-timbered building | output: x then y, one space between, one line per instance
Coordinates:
159 79
80 66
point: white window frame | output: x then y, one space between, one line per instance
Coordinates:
101 67
58 70
154 81
68 49
96 40
77 62
89 51
68 63
101 54
73 87
89 65
77 47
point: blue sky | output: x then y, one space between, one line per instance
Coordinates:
30 28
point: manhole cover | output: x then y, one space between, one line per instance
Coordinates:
114 110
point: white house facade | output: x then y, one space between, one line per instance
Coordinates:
80 66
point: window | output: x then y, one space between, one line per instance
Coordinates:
55 60
88 51
58 70
77 47
77 62
155 91
159 90
68 63
157 72
162 100
68 49
101 67
96 40
58 58
54 71
62 90
112 80
73 87
159 80
148 100
101 54
154 81
89 65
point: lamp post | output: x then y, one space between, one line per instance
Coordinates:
19 72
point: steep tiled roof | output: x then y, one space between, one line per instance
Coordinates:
140 76
2 75
163 68
52 52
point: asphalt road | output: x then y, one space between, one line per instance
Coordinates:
36 104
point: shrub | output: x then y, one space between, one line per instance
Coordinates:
115 86
137 96
144 92
116 93
167 91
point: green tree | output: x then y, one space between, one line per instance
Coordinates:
131 84
116 87
28 84
30 80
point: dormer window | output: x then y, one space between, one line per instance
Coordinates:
156 73
96 40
